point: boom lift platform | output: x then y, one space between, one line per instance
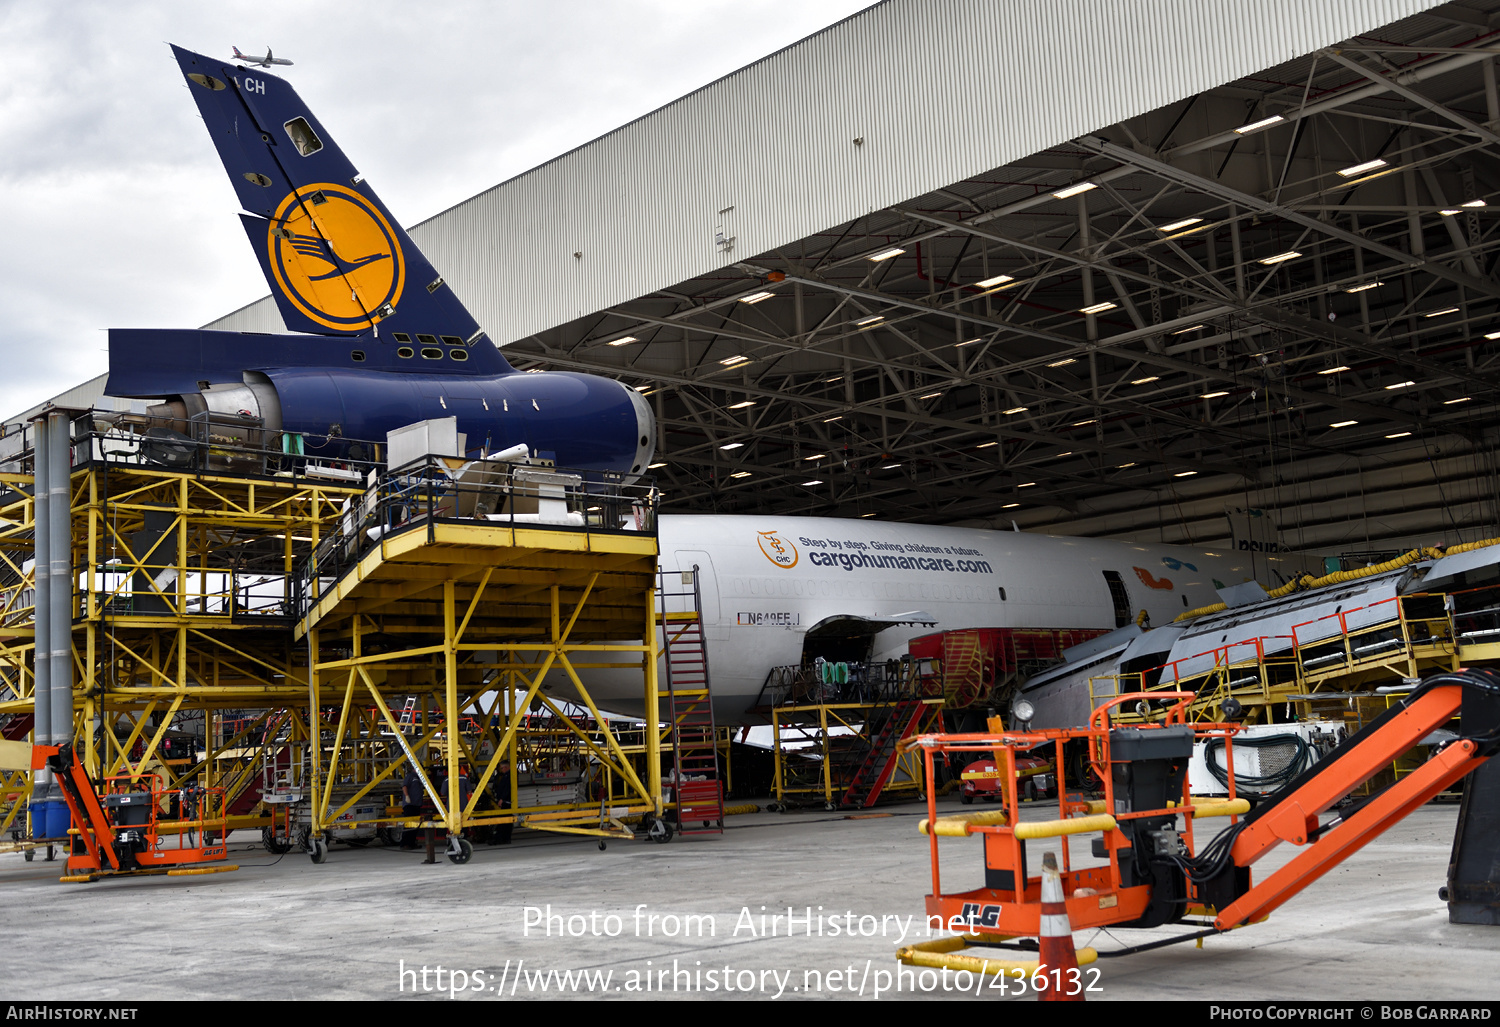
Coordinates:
118 834
1162 870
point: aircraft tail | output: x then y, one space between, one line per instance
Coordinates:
337 262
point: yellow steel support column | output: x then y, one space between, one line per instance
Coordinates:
450 692
653 706
314 729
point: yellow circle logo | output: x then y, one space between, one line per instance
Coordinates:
335 256
778 550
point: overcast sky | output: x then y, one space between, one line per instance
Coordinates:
115 211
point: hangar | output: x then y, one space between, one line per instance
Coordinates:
1210 273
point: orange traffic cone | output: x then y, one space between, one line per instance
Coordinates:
1059 961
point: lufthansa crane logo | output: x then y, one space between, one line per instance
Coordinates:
335 257
778 550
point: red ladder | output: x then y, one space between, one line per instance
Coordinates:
696 788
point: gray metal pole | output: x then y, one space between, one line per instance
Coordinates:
63 581
40 609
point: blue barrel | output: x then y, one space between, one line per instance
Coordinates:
59 819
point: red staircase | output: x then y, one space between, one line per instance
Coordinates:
873 774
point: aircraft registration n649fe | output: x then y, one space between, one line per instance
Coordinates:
777 591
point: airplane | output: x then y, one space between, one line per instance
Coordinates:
781 591
386 343
264 62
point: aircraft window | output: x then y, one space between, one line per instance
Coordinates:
458 354
258 179
401 337
358 355
206 81
431 353
1002 593
453 340
303 137
404 352
427 340
1184 599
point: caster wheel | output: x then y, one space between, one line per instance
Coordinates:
831 807
660 832
318 850
30 855
771 807
461 853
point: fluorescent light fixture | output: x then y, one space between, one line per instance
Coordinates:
732 445
930 395
756 297
740 474
1461 399
989 283
1061 455
1342 424
1025 484
1174 226
1215 395
1448 212
830 420
1074 190
1015 410
815 481
1010 506
889 467
1334 370
894 251
652 467
1365 288
1278 258
623 342
1399 385
642 388
969 342
742 404
835 378
1360 169
1184 474
1123 466
1441 313
1080 424
867 515
1398 435
1145 381
1189 328
872 319
815 456
1492 335
1256 126
1097 308
1064 362
731 361
1473 203
986 445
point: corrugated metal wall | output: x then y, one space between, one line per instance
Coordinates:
939 90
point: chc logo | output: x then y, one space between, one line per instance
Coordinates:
778 550
335 257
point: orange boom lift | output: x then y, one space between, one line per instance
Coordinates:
120 833
1161 871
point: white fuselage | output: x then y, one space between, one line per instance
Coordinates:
766 580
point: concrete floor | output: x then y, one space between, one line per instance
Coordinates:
286 929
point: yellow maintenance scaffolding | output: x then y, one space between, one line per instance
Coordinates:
270 608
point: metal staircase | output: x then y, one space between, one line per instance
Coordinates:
899 720
697 792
